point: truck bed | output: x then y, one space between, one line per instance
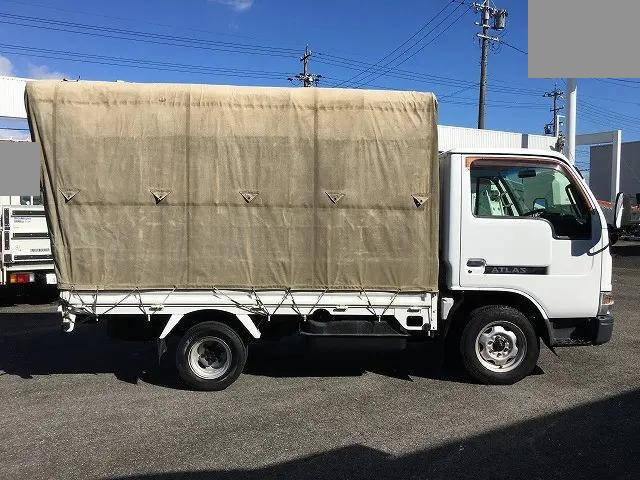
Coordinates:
154 185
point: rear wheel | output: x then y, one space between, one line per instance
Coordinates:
210 356
499 345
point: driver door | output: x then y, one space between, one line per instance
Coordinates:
527 226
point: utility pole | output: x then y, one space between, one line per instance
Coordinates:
484 40
499 22
307 79
552 128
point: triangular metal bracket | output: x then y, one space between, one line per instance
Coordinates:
249 195
335 197
69 193
419 199
159 194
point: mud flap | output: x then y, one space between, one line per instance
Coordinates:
161 345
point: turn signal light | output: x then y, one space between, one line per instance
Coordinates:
21 277
606 303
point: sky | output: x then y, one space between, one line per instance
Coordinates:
427 45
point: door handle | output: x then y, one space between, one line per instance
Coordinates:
476 262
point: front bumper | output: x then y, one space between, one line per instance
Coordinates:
603 329
581 331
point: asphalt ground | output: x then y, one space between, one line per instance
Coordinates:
83 406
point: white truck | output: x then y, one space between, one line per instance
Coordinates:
25 249
210 217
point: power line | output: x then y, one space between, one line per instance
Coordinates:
368 80
146 64
66 55
504 42
597 117
354 64
425 25
453 94
626 80
613 113
137 33
610 99
492 105
83 57
140 63
230 47
617 82
502 87
137 21
508 104
140 36
401 74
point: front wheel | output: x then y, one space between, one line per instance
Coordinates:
210 356
499 345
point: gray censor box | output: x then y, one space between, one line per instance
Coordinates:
20 167
583 38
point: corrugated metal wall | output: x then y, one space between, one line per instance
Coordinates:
460 137
12 97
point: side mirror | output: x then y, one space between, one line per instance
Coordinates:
622 211
540 204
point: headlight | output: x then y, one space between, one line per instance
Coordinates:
606 303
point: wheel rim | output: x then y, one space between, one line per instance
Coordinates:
210 357
501 346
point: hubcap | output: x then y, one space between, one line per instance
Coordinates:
210 357
501 346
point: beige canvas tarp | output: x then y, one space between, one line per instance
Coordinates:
195 186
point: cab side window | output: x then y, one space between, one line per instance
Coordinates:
545 192
489 199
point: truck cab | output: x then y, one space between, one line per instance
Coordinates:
521 235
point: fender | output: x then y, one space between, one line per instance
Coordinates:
244 319
522 294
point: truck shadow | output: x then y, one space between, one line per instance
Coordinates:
627 250
296 357
591 441
33 296
32 345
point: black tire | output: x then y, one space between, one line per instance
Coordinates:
485 319
614 236
228 356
